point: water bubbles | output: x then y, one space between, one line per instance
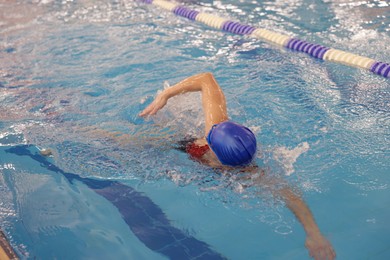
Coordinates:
271 217
283 229
366 184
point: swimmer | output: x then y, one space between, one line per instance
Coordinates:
229 145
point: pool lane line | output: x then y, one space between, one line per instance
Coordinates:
145 219
6 251
312 49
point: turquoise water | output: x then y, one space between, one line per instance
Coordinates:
74 76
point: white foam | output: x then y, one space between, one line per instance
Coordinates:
288 157
184 113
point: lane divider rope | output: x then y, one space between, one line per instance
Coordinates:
314 50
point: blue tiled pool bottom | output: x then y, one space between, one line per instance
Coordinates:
143 217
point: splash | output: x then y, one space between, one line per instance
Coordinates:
287 157
183 113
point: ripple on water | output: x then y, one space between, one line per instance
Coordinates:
88 81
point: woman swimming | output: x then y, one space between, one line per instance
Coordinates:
227 144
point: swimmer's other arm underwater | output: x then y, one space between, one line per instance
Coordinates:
227 145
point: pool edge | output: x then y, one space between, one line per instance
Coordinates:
6 251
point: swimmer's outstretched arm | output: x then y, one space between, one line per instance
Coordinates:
319 247
213 99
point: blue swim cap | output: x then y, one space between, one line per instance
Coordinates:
234 144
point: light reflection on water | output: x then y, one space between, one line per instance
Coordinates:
76 82
107 50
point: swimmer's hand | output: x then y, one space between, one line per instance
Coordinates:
159 102
319 247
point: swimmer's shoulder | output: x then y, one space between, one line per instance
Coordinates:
201 141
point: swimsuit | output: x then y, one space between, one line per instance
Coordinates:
194 150
197 151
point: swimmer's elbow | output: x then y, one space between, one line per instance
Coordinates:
208 82
207 75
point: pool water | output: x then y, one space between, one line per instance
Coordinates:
75 74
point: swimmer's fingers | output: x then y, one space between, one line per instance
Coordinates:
156 105
147 110
331 252
150 110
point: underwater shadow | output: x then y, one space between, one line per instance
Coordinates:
145 219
